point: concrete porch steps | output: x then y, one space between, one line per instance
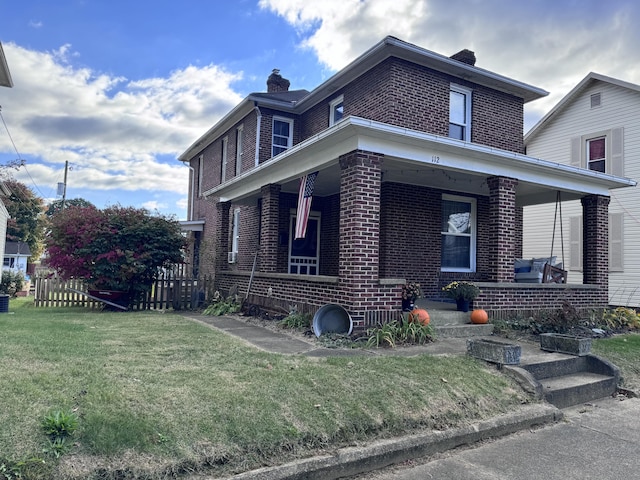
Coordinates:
447 322
566 380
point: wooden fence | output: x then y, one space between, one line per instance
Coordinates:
169 291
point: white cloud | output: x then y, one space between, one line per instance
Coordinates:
549 44
118 134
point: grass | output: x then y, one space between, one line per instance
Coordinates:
158 395
623 351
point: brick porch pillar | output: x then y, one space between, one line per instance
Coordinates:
503 228
222 235
360 182
269 228
595 238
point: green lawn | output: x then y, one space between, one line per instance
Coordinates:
623 351
158 394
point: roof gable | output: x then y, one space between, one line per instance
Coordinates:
5 75
572 96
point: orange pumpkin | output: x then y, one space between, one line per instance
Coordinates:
479 316
419 315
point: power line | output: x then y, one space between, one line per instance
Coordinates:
19 162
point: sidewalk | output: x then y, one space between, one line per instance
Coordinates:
356 460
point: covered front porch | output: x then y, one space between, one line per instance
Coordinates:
382 200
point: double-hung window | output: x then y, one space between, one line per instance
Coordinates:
460 113
235 235
223 172
282 136
600 151
336 110
458 248
239 138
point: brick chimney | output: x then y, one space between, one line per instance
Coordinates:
275 82
465 56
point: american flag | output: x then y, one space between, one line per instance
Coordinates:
304 203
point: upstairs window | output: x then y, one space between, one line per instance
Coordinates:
460 113
336 110
223 173
239 138
282 137
600 151
596 154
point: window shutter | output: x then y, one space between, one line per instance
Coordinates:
617 152
575 243
576 152
616 244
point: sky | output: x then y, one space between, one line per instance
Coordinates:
119 89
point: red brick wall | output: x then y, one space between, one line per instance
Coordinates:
400 93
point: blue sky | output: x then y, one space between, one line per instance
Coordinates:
120 89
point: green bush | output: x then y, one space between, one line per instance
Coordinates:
12 282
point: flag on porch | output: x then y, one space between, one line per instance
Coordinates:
304 203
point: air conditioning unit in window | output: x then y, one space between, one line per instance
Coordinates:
232 257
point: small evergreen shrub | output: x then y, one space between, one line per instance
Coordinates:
11 283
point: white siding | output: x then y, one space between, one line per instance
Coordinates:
619 108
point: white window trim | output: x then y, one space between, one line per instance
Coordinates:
473 224
289 140
235 235
468 93
614 150
239 148
332 106
225 149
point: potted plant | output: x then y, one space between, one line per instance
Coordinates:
410 293
463 293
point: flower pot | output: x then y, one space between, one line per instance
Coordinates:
572 345
462 305
407 304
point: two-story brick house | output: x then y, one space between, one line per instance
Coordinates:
421 177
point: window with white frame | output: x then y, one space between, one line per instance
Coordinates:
600 151
336 110
239 152
460 113
596 154
235 238
223 173
458 249
282 135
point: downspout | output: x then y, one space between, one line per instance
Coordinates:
258 121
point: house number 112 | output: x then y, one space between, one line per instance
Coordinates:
435 159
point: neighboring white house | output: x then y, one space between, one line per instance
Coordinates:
595 126
16 255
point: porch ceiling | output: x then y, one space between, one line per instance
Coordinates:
416 158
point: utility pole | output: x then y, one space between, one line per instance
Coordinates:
64 185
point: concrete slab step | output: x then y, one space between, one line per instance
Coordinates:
576 388
462 331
